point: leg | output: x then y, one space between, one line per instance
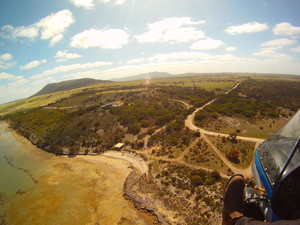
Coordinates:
250 221
233 199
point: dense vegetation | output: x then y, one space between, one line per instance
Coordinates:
185 178
196 96
278 93
149 113
195 189
80 125
63 131
255 99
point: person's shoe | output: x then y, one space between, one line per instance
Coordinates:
233 198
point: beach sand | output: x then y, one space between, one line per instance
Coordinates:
79 190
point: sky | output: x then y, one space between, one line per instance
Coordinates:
43 41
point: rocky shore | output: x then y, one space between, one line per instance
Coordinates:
166 205
142 203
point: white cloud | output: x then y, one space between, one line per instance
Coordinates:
62 56
207 44
18 87
50 28
6 31
86 4
11 78
174 56
278 43
67 68
230 49
84 74
138 60
251 27
173 30
271 53
286 29
55 24
56 39
104 1
8 76
33 64
30 32
104 38
12 93
297 49
209 64
6 57
5 61
18 83
89 4
119 2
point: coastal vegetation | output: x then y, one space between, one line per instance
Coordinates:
150 118
254 108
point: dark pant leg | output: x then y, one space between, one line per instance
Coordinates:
250 221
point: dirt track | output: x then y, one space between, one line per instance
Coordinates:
189 122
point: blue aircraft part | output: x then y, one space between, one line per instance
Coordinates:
263 176
264 180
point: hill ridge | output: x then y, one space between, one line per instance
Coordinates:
67 85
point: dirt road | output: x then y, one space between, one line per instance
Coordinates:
189 122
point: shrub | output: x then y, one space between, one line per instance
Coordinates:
216 174
134 128
196 180
233 156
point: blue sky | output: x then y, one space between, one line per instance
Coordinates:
50 41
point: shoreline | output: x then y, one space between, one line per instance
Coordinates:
134 162
139 203
9 162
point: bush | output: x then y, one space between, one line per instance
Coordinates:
150 131
134 128
233 156
196 180
216 174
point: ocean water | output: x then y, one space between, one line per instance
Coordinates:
13 178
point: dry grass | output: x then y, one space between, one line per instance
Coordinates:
203 155
245 149
261 128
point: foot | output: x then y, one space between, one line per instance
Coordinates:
233 199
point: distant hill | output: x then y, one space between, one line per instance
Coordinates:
68 85
143 76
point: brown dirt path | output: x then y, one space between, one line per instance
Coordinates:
189 122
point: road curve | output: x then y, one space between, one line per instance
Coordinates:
189 122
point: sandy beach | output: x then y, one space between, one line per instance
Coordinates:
79 190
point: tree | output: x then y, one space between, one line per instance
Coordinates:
216 174
134 128
196 180
73 150
185 139
233 156
223 139
150 131
232 137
